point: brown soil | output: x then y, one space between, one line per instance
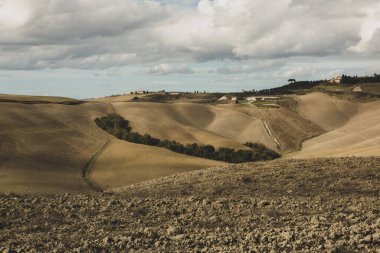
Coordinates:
322 205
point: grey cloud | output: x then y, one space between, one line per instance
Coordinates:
104 34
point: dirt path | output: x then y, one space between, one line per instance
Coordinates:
112 108
87 168
271 135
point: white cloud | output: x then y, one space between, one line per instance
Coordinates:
298 72
167 69
266 65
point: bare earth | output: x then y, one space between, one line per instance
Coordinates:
57 148
46 148
353 134
189 123
323 205
155 200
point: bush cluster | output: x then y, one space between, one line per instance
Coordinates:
119 127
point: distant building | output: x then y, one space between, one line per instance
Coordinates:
271 105
251 99
357 89
224 98
229 99
262 98
336 80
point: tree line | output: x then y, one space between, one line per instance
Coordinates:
119 127
360 79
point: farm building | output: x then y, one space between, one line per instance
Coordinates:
335 80
251 99
229 99
262 98
224 98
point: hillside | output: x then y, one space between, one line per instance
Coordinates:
45 146
357 135
124 163
55 147
288 128
189 123
326 111
318 205
48 148
36 99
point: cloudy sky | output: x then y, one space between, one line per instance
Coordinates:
90 48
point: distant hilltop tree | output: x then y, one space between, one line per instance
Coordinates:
292 80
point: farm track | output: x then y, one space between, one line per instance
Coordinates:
87 168
112 108
271 135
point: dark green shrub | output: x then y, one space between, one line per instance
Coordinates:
119 127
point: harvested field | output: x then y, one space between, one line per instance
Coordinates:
189 123
360 136
326 111
50 148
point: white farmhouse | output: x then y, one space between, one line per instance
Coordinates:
357 89
336 80
224 98
253 99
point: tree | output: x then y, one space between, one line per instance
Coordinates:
119 127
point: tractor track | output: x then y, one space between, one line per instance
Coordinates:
87 168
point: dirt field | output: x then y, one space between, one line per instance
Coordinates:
50 148
323 205
325 111
360 136
21 98
189 123
54 148
286 126
45 147
123 163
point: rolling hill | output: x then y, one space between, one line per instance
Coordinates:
48 146
357 135
189 123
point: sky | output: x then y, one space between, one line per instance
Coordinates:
94 48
